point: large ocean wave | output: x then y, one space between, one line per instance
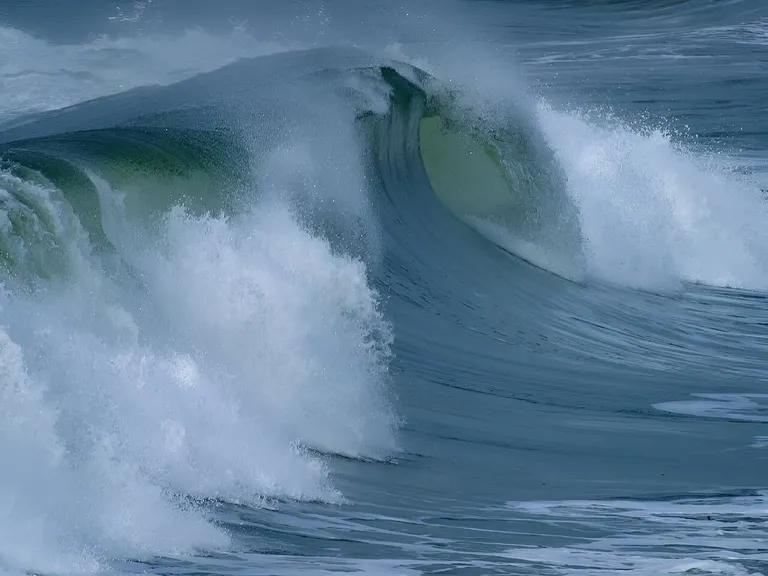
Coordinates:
231 293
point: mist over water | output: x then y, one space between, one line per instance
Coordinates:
388 289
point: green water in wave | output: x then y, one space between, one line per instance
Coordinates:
50 201
506 186
465 174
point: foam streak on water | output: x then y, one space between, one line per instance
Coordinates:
695 535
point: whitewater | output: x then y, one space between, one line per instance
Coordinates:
462 288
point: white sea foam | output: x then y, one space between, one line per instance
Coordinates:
228 347
654 213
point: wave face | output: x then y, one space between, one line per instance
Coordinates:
298 306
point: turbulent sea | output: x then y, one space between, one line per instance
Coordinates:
471 287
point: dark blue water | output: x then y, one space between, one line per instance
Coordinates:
429 289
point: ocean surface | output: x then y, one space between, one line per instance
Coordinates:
386 288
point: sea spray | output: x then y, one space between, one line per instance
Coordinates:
202 367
